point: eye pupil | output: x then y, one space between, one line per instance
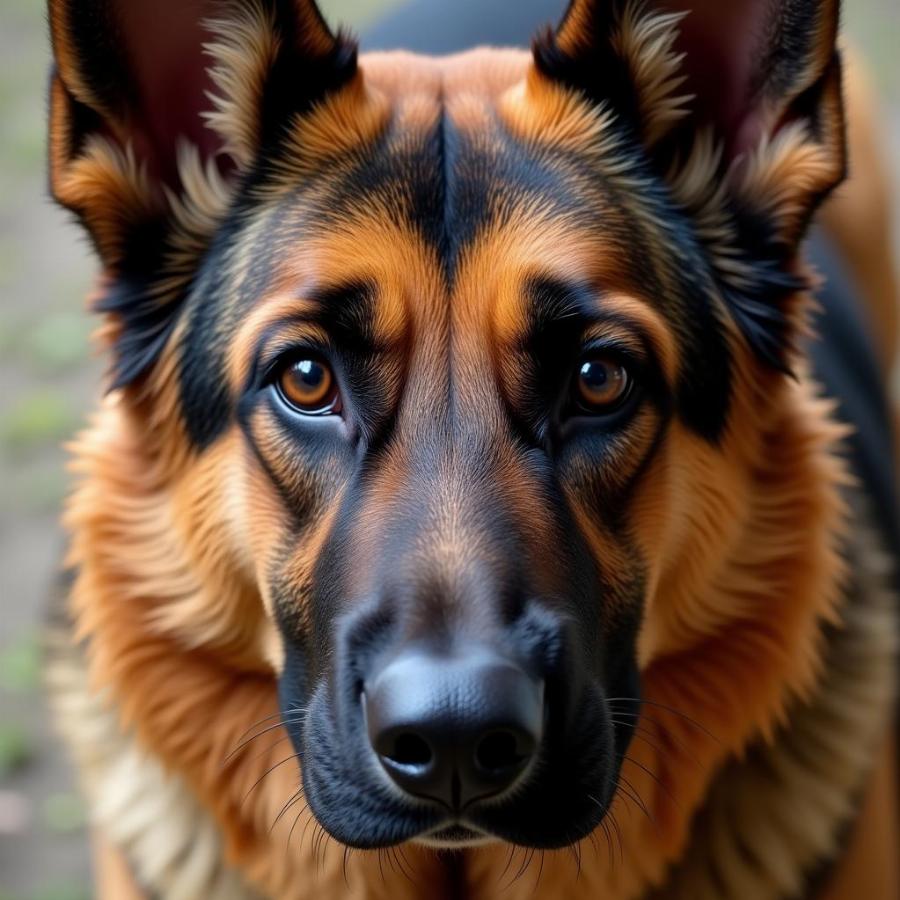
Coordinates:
309 386
602 384
309 373
596 376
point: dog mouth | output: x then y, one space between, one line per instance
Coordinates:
455 747
456 836
554 804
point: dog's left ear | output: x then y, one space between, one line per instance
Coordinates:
762 77
737 104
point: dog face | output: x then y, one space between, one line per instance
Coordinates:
453 370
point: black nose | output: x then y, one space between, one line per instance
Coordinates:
454 728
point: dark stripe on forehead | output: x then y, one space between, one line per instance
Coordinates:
448 182
436 181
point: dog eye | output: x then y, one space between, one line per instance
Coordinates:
309 386
602 384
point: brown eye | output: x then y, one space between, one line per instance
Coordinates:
309 386
602 384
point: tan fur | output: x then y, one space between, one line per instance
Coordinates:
768 818
172 546
647 42
697 681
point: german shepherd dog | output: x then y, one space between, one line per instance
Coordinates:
463 518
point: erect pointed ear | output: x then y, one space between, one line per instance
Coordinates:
154 104
738 105
136 81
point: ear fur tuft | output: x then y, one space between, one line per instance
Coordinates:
737 107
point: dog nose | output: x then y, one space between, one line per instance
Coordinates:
454 728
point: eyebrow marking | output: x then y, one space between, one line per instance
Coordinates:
343 311
347 313
588 308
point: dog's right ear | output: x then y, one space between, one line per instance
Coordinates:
137 81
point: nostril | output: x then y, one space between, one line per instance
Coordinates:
409 750
498 752
455 728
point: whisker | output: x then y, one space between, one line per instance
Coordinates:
404 863
325 839
243 743
518 873
630 793
642 716
575 850
636 797
641 734
318 831
522 865
652 739
267 750
509 859
295 798
279 724
297 818
605 825
275 715
309 819
665 732
609 819
529 856
663 706
655 777
268 771
618 833
540 873
398 856
258 722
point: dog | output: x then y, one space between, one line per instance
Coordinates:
464 517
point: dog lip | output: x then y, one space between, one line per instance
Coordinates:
455 836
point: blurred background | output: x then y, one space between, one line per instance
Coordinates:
48 381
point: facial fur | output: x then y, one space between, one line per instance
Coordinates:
453 239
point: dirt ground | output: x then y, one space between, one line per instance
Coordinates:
47 382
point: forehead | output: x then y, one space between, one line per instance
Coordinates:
466 159
449 185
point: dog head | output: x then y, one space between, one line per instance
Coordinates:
453 374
